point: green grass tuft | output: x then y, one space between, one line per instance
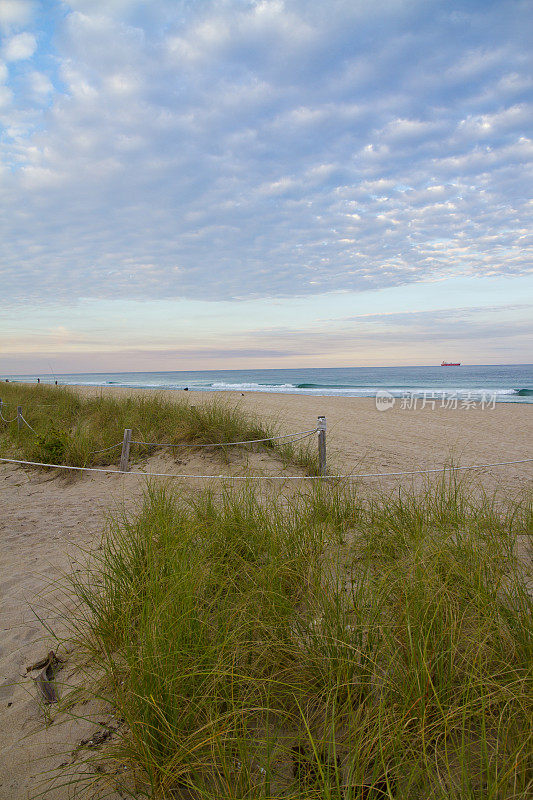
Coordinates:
327 647
70 429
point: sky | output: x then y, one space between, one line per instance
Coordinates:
210 184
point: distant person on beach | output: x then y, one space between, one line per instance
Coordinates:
38 380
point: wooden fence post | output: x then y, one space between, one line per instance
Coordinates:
321 427
125 455
19 417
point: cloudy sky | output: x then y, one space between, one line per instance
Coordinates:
264 183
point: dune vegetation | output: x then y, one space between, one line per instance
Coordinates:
65 427
326 646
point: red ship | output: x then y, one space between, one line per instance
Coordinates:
451 364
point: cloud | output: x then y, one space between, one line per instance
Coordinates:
478 331
264 148
40 84
407 317
19 47
481 324
15 13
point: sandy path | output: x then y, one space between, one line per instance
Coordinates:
42 526
44 522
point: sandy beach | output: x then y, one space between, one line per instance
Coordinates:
47 522
362 439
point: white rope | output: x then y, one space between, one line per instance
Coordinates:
28 424
265 477
105 449
303 434
15 418
7 420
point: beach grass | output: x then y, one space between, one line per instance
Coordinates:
322 646
65 427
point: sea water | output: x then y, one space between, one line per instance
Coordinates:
496 383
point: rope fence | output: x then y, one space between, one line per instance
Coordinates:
301 434
106 449
128 441
25 421
288 437
14 419
267 477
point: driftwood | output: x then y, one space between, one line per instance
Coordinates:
45 679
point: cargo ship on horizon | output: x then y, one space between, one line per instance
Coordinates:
451 364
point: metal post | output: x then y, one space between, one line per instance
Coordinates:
19 417
321 427
125 455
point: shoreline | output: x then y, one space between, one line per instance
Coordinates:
500 382
436 395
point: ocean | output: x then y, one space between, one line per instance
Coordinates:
497 383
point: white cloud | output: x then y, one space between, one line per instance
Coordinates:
514 118
245 149
15 13
475 63
410 130
40 84
6 96
19 47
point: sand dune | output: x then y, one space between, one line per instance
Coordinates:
46 522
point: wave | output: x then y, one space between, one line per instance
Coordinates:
398 390
339 390
365 391
257 386
327 386
298 388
